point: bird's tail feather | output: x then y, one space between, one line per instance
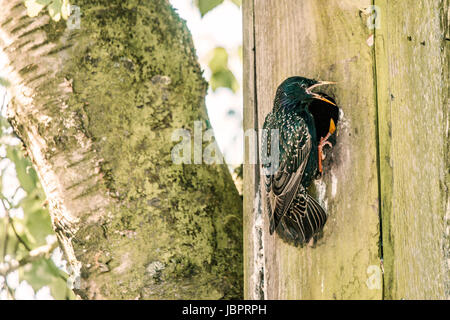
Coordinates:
304 219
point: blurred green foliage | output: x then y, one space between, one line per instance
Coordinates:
24 221
4 82
57 9
221 76
207 5
204 6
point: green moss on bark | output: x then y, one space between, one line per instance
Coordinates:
171 231
137 79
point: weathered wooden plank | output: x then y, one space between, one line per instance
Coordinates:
412 72
253 255
326 40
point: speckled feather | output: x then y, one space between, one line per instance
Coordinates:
293 213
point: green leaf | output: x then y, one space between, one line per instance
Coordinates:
44 272
25 172
39 273
65 9
13 247
37 223
224 79
34 7
4 82
207 5
56 8
219 61
221 75
237 2
60 291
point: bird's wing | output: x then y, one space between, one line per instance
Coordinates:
294 148
303 220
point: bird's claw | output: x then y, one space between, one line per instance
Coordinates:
323 142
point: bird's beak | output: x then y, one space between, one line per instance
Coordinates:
318 84
318 96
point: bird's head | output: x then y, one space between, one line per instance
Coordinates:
299 89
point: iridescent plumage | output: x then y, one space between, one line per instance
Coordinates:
294 214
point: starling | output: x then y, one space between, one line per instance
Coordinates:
305 122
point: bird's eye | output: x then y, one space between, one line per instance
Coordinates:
303 86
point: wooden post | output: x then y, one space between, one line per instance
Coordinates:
338 40
412 83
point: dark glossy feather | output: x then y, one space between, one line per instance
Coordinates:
303 220
294 149
293 213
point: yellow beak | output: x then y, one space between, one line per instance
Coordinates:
318 96
318 84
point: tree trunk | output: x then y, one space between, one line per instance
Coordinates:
96 108
385 184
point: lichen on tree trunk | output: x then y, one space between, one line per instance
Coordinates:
96 108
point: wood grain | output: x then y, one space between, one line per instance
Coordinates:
325 40
253 250
412 72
